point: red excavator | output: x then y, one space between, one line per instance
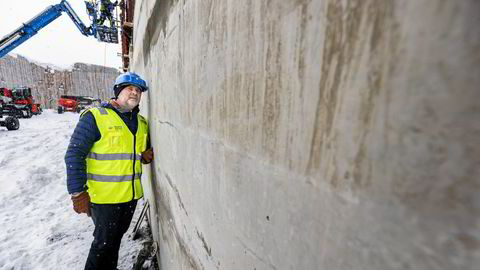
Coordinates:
75 103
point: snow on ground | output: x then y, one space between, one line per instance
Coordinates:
38 227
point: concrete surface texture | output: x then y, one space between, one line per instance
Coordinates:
312 134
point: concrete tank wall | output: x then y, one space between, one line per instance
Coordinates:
312 134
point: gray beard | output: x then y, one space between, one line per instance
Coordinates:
124 109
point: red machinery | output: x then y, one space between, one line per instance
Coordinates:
74 103
22 97
7 108
6 95
21 100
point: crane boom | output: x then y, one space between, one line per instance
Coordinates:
51 13
65 6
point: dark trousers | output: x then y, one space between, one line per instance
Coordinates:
111 222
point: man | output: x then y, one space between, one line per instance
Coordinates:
104 167
106 12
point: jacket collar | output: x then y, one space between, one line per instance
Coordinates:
134 111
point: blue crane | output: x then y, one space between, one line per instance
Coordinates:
51 13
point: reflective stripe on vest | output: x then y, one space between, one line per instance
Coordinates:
113 164
98 156
112 178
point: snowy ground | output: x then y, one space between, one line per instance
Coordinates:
38 227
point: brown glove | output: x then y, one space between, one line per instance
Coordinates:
147 156
81 203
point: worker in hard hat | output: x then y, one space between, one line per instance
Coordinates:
106 12
104 166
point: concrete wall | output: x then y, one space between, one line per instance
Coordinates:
312 134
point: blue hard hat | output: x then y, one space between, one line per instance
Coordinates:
130 78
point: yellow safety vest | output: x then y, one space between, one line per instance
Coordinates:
113 164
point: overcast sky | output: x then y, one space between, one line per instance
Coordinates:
59 43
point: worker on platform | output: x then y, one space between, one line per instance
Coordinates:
106 12
90 5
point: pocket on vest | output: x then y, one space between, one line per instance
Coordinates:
114 138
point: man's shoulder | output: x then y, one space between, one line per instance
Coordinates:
102 110
141 116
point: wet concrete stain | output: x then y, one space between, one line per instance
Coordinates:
380 19
301 59
157 23
335 52
273 84
350 27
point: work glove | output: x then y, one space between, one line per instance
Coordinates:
147 156
81 203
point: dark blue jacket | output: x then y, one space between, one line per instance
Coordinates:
86 133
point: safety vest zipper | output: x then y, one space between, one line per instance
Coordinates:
134 160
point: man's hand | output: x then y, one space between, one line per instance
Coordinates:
147 156
81 203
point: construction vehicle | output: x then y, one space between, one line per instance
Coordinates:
20 101
6 103
5 95
75 103
11 122
23 100
103 33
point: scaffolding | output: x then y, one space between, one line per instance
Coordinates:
126 24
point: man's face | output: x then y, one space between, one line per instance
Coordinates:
129 97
